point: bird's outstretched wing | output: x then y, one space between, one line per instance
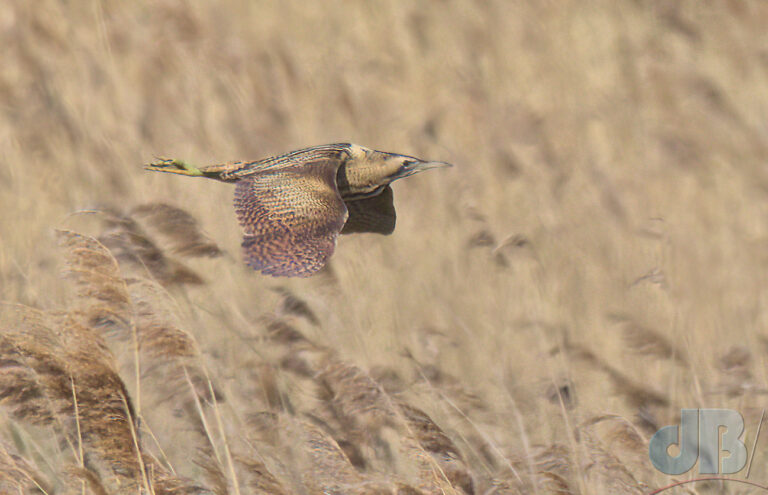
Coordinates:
291 218
375 214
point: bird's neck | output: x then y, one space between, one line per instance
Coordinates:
355 182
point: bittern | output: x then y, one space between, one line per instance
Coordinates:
292 207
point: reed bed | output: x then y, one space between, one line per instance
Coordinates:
594 263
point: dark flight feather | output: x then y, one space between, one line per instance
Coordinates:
374 215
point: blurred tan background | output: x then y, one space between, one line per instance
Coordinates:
603 234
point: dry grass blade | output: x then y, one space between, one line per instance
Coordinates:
433 440
21 389
644 340
281 331
180 229
555 457
34 378
305 359
614 435
212 471
103 300
17 475
606 471
480 239
325 467
360 402
86 477
76 386
421 468
267 392
637 394
292 305
258 479
363 409
506 486
165 483
142 255
168 351
437 380
104 413
552 470
554 484
736 360
622 432
302 356
173 372
133 248
509 247
736 376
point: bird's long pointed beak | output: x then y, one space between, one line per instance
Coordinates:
417 166
428 165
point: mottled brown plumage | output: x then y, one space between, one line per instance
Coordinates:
293 207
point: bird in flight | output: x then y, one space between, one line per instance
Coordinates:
292 207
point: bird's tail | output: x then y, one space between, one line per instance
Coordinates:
176 166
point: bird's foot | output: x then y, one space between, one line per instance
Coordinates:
173 165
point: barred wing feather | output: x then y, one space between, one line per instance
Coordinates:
291 218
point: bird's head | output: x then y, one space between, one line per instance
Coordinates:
368 171
393 166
